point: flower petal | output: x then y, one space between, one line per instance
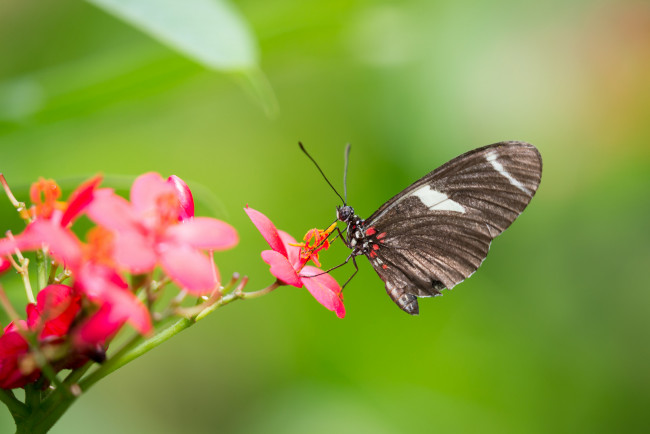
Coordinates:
57 306
188 267
133 251
185 198
267 229
12 347
324 289
281 268
293 252
112 211
5 264
106 322
146 190
63 244
126 306
97 329
80 199
203 233
106 288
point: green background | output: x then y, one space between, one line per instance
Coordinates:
551 335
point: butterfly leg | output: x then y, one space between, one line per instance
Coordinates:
345 241
356 270
335 267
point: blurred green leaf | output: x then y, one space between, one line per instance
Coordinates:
211 32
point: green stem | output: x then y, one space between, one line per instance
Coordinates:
32 396
24 264
129 354
52 275
41 269
20 206
120 360
59 401
259 293
75 375
17 408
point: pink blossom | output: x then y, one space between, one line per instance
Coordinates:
117 306
52 316
101 284
148 232
61 242
288 266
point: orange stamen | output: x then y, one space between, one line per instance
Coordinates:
100 246
44 194
315 240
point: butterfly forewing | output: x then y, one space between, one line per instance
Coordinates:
437 232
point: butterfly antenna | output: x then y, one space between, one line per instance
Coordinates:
320 170
345 174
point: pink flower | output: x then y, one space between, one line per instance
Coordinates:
148 232
117 306
288 266
52 316
101 284
50 227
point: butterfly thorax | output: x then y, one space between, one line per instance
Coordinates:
356 234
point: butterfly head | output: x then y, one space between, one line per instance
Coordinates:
344 213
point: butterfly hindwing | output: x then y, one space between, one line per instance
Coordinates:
437 232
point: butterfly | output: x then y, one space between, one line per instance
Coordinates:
436 232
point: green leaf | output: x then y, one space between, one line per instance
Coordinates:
212 32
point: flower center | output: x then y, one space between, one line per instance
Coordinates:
168 209
315 240
99 249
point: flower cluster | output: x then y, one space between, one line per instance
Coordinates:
70 323
93 281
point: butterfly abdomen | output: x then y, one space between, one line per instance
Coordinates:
407 302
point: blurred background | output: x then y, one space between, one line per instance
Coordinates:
551 335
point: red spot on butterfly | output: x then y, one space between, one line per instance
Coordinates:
384 266
380 236
373 254
370 231
375 246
